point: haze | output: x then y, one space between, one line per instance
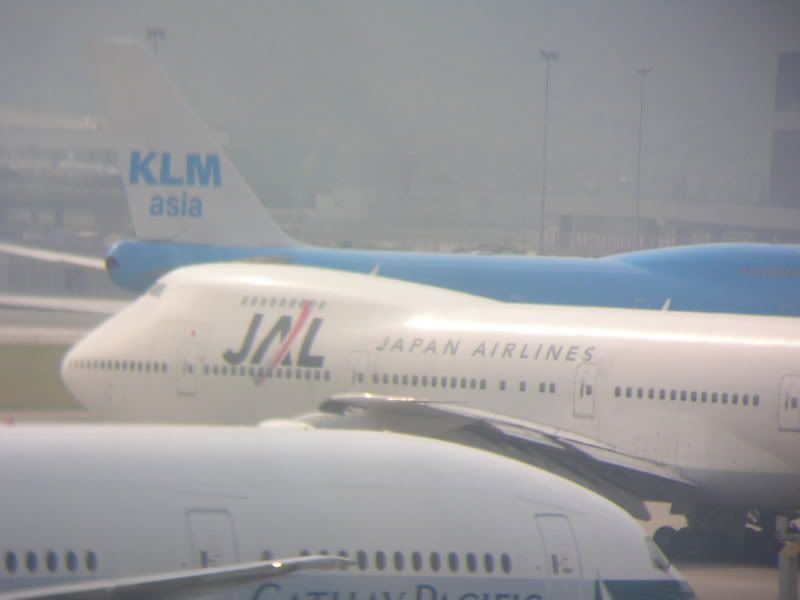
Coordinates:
445 98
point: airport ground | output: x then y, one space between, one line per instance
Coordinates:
32 344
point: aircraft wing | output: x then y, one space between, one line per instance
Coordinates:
180 584
624 478
62 303
64 258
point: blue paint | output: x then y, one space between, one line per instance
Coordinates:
737 278
199 170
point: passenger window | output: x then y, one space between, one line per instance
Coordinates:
640 393
472 562
463 383
662 394
52 561
452 562
725 397
266 555
714 397
683 395
703 397
395 379
502 385
416 561
673 395
11 562
414 380
505 563
385 379
424 381
436 562
628 392
651 394
434 381
399 561
522 386
745 399
756 400
488 562
735 399
91 561
380 560
483 384
472 384
553 388
31 561
72 561
361 558
375 378
693 396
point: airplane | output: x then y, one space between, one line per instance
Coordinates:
190 205
700 410
103 511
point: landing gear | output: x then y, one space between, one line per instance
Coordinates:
716 534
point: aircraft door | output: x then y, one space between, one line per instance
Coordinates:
212 538
359 361
563 559
789 403
585 390
188 365
179 345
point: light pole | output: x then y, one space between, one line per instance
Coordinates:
642 73
154 34
548 56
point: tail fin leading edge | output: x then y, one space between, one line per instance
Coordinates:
180 184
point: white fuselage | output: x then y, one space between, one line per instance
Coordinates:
423 519
714 395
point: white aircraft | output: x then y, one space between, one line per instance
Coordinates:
702 410
167 511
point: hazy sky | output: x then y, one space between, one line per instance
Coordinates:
316 95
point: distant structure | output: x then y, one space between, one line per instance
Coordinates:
548 56
785 160
643 72
155 35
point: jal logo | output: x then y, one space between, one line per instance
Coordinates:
162 169
287 331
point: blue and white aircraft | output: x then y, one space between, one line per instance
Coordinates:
190 205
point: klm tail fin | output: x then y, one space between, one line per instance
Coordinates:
180 184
